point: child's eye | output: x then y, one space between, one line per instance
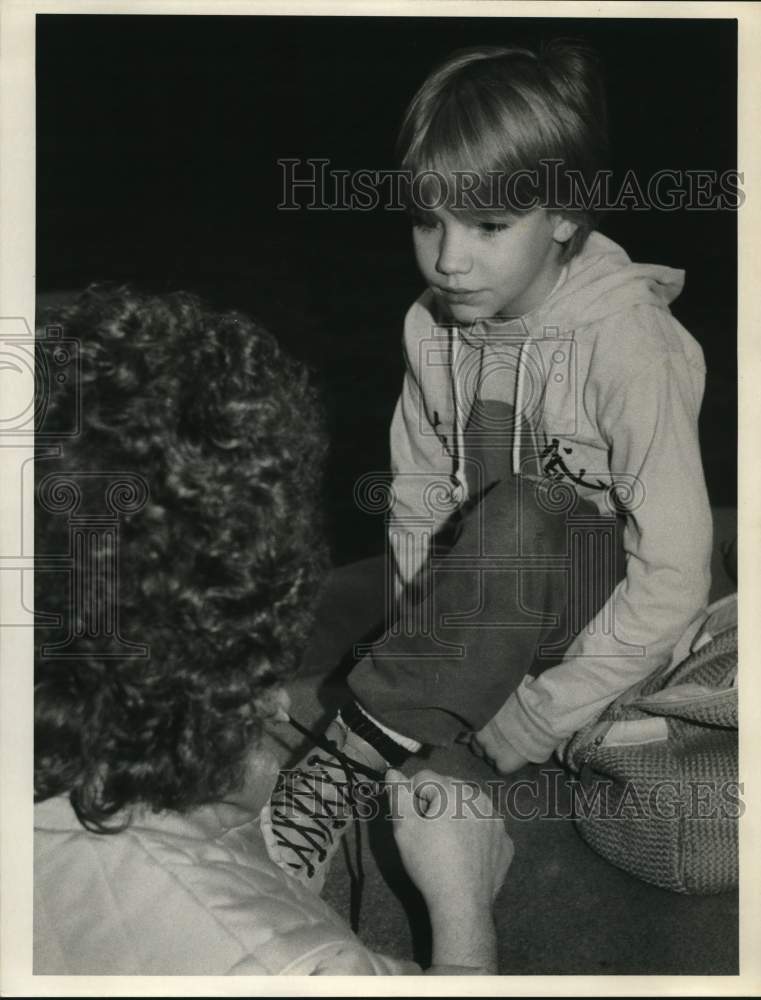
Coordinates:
491 228
425 222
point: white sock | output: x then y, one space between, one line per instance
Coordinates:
404 741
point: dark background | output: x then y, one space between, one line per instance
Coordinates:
157 142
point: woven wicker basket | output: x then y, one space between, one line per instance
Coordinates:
657 789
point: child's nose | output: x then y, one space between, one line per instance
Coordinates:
454 254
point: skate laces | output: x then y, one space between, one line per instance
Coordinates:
311 804
330 747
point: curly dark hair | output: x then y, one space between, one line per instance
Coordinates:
218 569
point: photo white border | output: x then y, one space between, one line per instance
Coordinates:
17 292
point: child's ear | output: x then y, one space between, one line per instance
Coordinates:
564 229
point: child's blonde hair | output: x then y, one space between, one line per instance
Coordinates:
513 128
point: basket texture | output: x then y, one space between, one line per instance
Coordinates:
657 789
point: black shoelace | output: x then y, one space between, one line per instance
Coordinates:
306 811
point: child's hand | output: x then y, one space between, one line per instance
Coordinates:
490 744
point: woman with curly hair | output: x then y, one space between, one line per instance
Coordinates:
188 503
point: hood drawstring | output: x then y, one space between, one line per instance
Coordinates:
520 391
518 414
459 480
523 427
464 400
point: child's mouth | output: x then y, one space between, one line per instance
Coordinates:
457 295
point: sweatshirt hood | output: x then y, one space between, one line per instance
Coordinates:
600 282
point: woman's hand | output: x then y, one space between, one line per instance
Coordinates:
452 841
457 852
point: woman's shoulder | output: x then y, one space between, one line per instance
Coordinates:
170 894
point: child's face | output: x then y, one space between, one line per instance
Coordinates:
501 265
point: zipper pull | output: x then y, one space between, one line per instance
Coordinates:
585 769
592 748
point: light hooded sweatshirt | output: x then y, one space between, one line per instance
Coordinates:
608 385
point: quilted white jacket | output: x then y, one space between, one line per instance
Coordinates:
181 895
